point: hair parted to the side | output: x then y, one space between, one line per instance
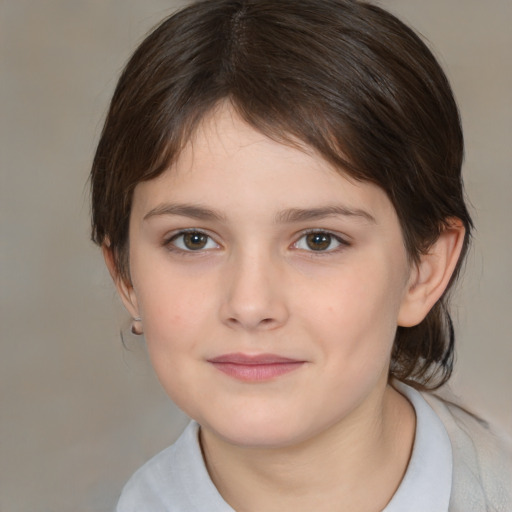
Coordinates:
343 77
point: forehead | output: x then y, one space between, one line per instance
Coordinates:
226 162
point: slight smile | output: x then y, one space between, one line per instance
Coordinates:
255 368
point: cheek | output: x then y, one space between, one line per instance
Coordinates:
175 324
355 313
174 307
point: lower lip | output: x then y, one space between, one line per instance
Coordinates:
257 372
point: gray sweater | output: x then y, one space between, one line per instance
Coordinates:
482 461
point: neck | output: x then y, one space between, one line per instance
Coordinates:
331 471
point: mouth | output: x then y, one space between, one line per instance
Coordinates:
255 368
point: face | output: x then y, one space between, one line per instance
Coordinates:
269 286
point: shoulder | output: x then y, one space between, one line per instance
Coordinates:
143 488
482 459
157 485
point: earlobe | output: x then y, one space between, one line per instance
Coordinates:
431 275
123 286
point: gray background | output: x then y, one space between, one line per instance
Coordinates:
79 412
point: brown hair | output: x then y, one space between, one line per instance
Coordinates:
344 77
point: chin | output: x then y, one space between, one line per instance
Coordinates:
259 432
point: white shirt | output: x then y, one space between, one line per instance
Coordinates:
176 480
427 484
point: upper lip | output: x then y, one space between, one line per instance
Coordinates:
254 359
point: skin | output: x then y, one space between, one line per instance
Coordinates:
318 437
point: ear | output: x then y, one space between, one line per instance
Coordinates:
124 287
431 275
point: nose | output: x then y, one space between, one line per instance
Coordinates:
254 294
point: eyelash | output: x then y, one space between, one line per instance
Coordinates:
342 243
168 242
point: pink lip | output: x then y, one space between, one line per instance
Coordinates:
254 368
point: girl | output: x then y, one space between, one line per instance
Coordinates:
278 196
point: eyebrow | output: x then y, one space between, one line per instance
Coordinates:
185 210
304 214
288 216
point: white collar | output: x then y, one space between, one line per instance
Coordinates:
427 484
177 478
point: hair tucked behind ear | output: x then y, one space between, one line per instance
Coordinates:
433 361
344 77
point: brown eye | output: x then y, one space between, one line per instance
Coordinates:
195 241
318 241
192 241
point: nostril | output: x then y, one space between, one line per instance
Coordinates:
233 321
246 311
